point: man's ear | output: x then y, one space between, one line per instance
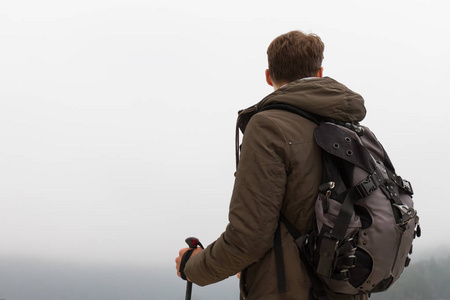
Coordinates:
268 79
320 73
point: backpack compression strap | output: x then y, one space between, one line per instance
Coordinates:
330 240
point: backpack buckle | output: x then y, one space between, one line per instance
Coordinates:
406 185
407 213
367 186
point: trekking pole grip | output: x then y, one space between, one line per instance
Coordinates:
192 243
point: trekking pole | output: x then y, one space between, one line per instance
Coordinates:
192 243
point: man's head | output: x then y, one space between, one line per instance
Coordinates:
294 55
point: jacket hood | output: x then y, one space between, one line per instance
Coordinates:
324 97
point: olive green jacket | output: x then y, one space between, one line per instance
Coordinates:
279 172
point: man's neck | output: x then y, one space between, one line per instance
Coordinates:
280 85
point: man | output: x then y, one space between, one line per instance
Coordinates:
278 173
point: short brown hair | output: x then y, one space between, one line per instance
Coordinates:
295 55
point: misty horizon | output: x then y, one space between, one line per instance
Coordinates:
26 278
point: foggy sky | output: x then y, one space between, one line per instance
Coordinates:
117 117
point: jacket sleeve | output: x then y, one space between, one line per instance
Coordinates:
254 209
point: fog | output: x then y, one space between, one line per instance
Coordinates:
117 117
46 280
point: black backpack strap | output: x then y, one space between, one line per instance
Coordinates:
328 245
331 240
310 116
317 291
279 261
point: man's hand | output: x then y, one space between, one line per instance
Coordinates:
180 256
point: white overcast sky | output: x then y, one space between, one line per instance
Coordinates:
117 117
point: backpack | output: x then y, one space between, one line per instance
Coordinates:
365 220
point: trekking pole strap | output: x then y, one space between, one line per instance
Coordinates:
184 260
